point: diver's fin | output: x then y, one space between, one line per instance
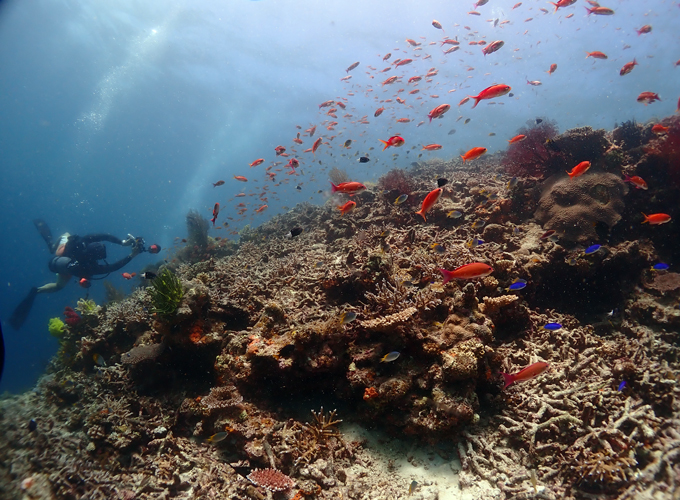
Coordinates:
44 231
21 312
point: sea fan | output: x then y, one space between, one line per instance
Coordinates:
529 157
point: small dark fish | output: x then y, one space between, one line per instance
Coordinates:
622 386
551 144
348 317
592 249
552 326
389 357
364 159
511 94
32 425
401 199
452 131
216 438
296 231
660 266
218 183
348 143
442 182
148 275
467 120
438 248
539 121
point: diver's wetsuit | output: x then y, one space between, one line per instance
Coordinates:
80 259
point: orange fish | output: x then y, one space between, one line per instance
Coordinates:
216 210
395 141
636 181
628 67
429 202
352 66
600 11
552 69
659 129
347 187
239 195
473 153
257 162
517 138
315 146
467 272
389 81
464 100
524 374
563 3
432 147
656 219
412 43
493 47
648 97
490 93
347 207
645 29
438 111
437 25
579 169
403 62
218 183
596 55
240 178
262 208
128 276
403 120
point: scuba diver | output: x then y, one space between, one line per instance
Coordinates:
77 256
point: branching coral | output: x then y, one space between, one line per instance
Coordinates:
87 307
389 320
529 157
397 180
166 293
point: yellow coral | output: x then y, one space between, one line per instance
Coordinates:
493 304
56 327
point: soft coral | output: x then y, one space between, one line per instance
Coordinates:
529 157
667 148
72 318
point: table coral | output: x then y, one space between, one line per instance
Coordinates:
572 207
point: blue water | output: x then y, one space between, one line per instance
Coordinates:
118 116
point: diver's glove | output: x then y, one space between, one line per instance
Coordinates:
129 241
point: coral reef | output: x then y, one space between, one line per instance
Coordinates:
71 318
199 385
87 307
530 157
573 207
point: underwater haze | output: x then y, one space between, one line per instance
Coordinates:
118 117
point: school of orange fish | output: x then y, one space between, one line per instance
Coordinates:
409 97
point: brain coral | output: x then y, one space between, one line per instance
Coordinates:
573 206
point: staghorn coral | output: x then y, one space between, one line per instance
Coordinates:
572 207
166 293
492 305
389 320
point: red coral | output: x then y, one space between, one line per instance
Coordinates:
667 147
529 157
271 479
72 318
396 180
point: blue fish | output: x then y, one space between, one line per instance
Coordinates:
552 326
660 266
622 385
517 285
592 249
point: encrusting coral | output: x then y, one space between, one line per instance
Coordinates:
573 207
